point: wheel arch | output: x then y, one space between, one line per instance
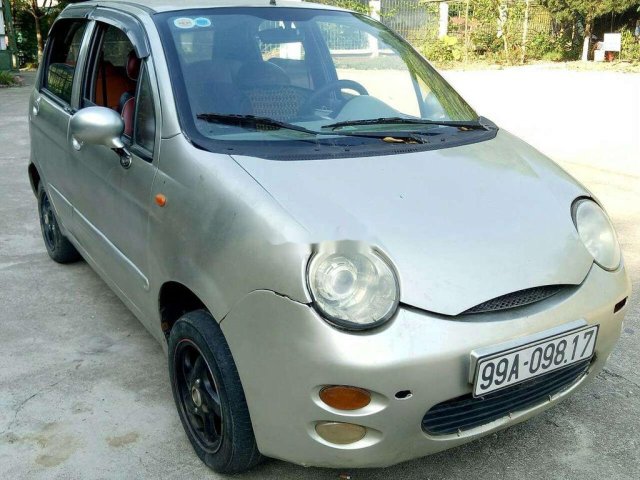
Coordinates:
174 300
34 178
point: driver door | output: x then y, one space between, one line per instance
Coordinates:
113 196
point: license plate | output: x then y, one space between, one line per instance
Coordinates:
503 369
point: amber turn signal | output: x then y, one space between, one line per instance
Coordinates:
161 200
343 397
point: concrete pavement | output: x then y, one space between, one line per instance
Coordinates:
84 390
586 117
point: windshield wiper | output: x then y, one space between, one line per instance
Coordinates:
253 121
469 125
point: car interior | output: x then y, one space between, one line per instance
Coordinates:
116 76
246 76
283 70
114 71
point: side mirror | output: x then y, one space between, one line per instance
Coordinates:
97 126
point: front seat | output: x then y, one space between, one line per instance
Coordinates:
211 87
128 99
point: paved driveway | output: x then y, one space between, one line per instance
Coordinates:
84 391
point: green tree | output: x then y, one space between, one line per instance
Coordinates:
587 11
41 12
503 14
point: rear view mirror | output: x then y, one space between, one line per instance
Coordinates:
97 126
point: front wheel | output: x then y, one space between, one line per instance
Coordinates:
209 396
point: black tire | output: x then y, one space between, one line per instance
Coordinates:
59 248
200 359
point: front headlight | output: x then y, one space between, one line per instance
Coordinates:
597 233
353 290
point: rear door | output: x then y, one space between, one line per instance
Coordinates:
53 103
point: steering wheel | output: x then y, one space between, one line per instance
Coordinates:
334 86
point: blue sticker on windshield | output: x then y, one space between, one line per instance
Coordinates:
202 22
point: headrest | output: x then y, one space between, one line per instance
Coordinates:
208 71
133 66
261 74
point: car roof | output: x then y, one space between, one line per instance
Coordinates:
171 5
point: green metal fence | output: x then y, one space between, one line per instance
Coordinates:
418 20
415 20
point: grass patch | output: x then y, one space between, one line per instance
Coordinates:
7 79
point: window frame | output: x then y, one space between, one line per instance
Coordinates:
90 72
136 148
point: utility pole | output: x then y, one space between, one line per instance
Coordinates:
443 24
375 10
525 32
466 33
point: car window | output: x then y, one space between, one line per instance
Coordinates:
305 67
283 45
145 119
196 45
115 47
113 81
64 50
280 40
373 64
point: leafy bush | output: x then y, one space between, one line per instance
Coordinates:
446 49
630 49
7 79
543 46
540 45
486 43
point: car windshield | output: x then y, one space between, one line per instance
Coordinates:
333 73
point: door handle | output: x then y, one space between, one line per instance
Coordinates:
36 106
76 144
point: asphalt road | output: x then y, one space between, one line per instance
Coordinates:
84 390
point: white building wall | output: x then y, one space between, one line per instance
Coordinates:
3 33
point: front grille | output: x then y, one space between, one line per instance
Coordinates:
466 412
517 299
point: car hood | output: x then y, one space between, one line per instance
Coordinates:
461 225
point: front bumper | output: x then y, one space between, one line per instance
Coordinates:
285 353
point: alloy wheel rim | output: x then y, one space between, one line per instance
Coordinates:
198 396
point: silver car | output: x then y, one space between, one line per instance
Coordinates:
346 265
